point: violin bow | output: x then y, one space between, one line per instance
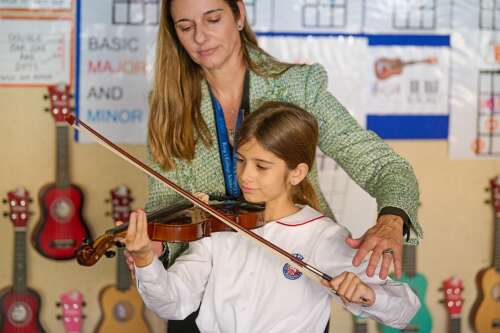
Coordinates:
308 270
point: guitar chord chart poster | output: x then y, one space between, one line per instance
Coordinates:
408 80
35 52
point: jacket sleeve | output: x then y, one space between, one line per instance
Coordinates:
366 158
395 303
177 292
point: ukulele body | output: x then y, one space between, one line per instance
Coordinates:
487 318
19 312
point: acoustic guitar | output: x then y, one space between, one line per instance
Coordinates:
72 316
422 322
61 228
385 68
486 312
453 288
19 304
121 305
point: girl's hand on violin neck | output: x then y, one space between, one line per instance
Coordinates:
137 241
349 287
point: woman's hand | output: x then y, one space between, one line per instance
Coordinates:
351 289
384 239
137 241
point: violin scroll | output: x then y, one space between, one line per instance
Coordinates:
90 252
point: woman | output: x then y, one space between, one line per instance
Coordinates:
209 72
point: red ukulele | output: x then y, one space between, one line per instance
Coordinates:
19 304
61 228
72 317
453 288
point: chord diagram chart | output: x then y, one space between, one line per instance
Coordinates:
414 14
488 116
489 15
136 12
324 14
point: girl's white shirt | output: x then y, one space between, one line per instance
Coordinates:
244 288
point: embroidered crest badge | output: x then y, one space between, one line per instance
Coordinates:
291 272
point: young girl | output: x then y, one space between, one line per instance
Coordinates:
241 286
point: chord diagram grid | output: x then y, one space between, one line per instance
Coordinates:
488 116
489 15
136 12
324 14
414 14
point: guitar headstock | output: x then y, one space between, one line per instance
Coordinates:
121 201
60 101
453 288
18 201
495 194
72 317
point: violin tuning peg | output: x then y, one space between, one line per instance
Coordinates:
86 241
110 254
119 244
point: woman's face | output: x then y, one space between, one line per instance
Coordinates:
208 30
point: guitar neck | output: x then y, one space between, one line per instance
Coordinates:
410 260
454 325
123 280
62 156
19 264
496 254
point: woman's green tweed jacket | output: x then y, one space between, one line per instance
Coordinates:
362 154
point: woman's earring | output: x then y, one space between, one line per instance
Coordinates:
240 27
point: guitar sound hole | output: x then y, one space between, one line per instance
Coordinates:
62 210
495 292
123 311
20 314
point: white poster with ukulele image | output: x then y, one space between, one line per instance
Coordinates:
408 80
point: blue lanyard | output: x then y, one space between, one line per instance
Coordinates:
228 155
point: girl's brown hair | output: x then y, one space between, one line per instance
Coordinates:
290 133
175 121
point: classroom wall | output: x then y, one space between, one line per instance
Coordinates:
458 224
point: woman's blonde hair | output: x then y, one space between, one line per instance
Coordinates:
175 122
290 133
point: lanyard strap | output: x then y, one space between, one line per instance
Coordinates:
227 153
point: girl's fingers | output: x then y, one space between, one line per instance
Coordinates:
345 284
132 228
336 281
351 289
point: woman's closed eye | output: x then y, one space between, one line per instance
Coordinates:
185 27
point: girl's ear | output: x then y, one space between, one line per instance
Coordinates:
298 174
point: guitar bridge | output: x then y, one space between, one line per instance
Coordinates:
62 243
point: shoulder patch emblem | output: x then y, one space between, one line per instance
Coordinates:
290 272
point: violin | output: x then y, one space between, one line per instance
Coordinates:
93 252
180 222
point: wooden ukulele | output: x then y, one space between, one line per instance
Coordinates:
121 304
61 228
422 322
72 317
19 304
360 325
385 68
486 313
453 288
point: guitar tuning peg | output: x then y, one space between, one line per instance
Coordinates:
487 201
30 200
59 317
58 304
84 316
486 189
107 214
84 303
4 201
110 254
71 96
441 301
45 96
46 109
107 200
5 214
